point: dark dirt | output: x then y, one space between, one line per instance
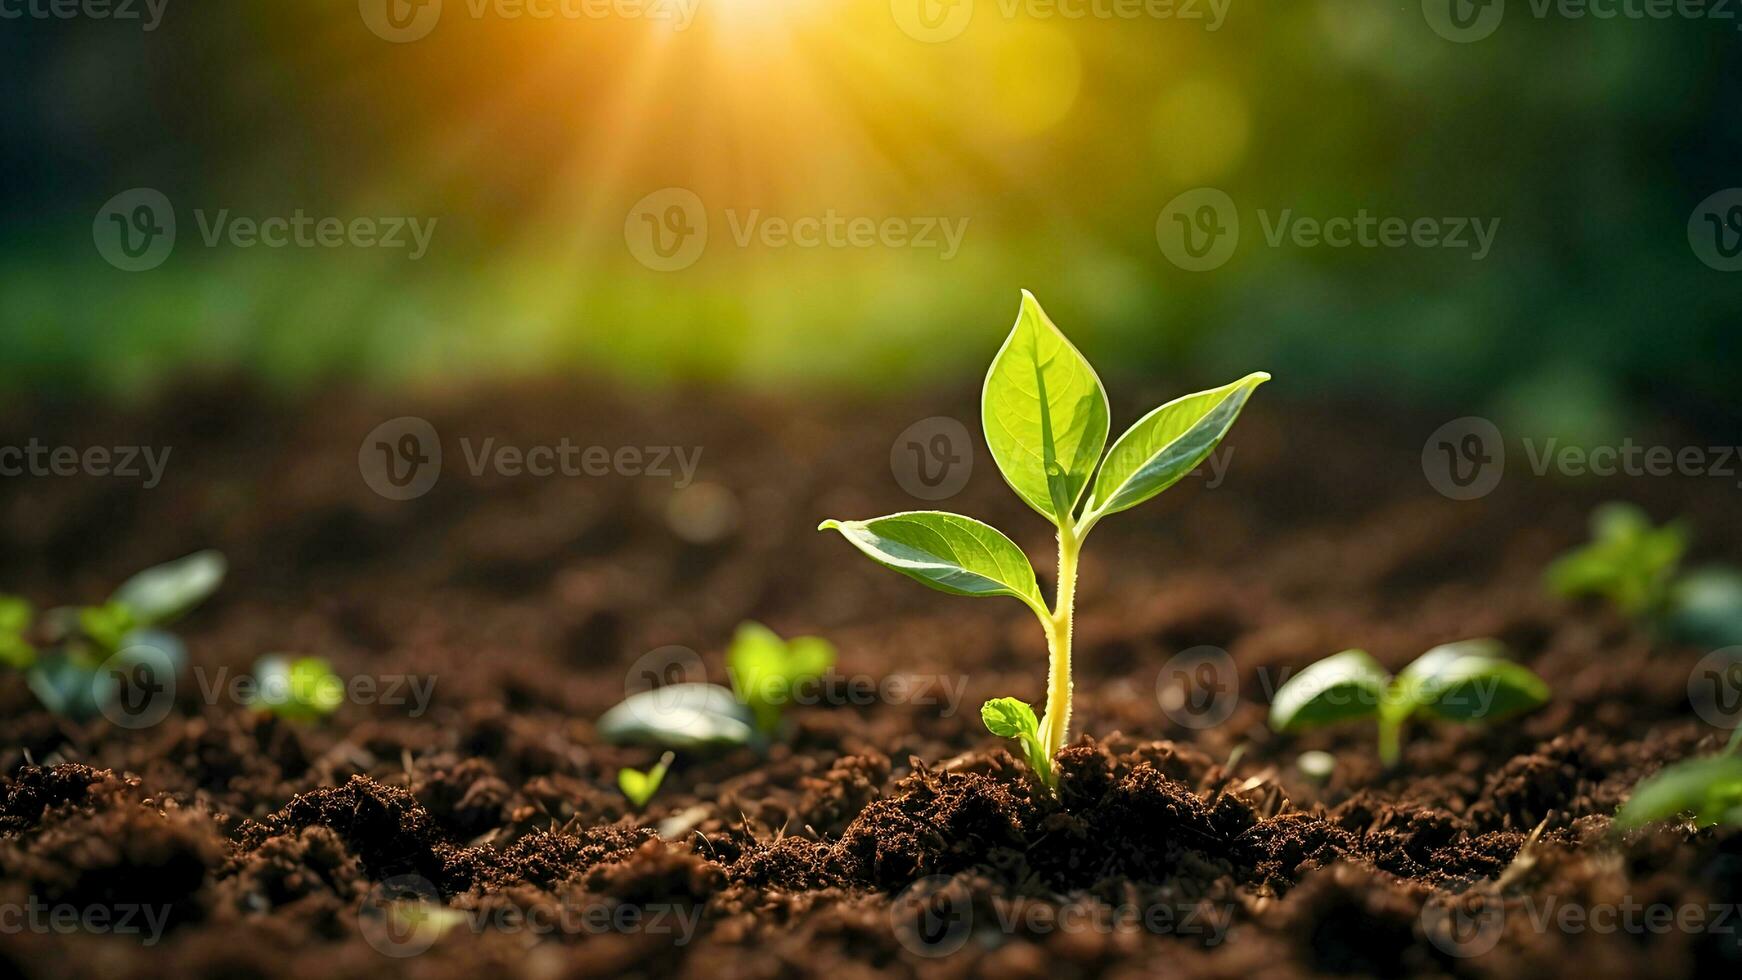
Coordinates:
883 829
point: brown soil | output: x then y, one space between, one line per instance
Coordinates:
880 831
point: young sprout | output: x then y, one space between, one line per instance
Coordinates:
297 689
1469 681
640 786
87 654
1636 567
1628 562
1046 420
1010 718
1709 789
766 669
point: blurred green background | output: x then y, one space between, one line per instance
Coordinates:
1059 140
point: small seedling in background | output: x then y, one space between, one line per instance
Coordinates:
1470 681
1010 718
77 659
640 786
297 689
1316 765
765 670
16 650
1709 789
1628 562
1636 567
1046 419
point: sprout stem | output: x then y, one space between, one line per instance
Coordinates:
1055 725
1390 740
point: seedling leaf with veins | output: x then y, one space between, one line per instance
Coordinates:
1046 421
1469 681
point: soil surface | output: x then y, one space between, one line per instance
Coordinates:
482 833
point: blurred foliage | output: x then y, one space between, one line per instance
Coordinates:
1060 140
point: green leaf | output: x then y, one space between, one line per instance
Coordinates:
1343 687
299 689
106 624
948 552
16 652
681 716
1167 444
1045 414
1628 561
15 614
64 685
1710 789
765 668
1010 718
1706 607
158 595
1480 689
640 786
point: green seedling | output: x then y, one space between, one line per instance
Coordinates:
1637 568
640 786
766 669
1010 718
77 659
1470 681
297 688
1046 417
1628 562
1709 789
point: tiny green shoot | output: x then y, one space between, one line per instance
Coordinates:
1046 419
1470 681
1010 718
1710 789
765 670
297 688
640 786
